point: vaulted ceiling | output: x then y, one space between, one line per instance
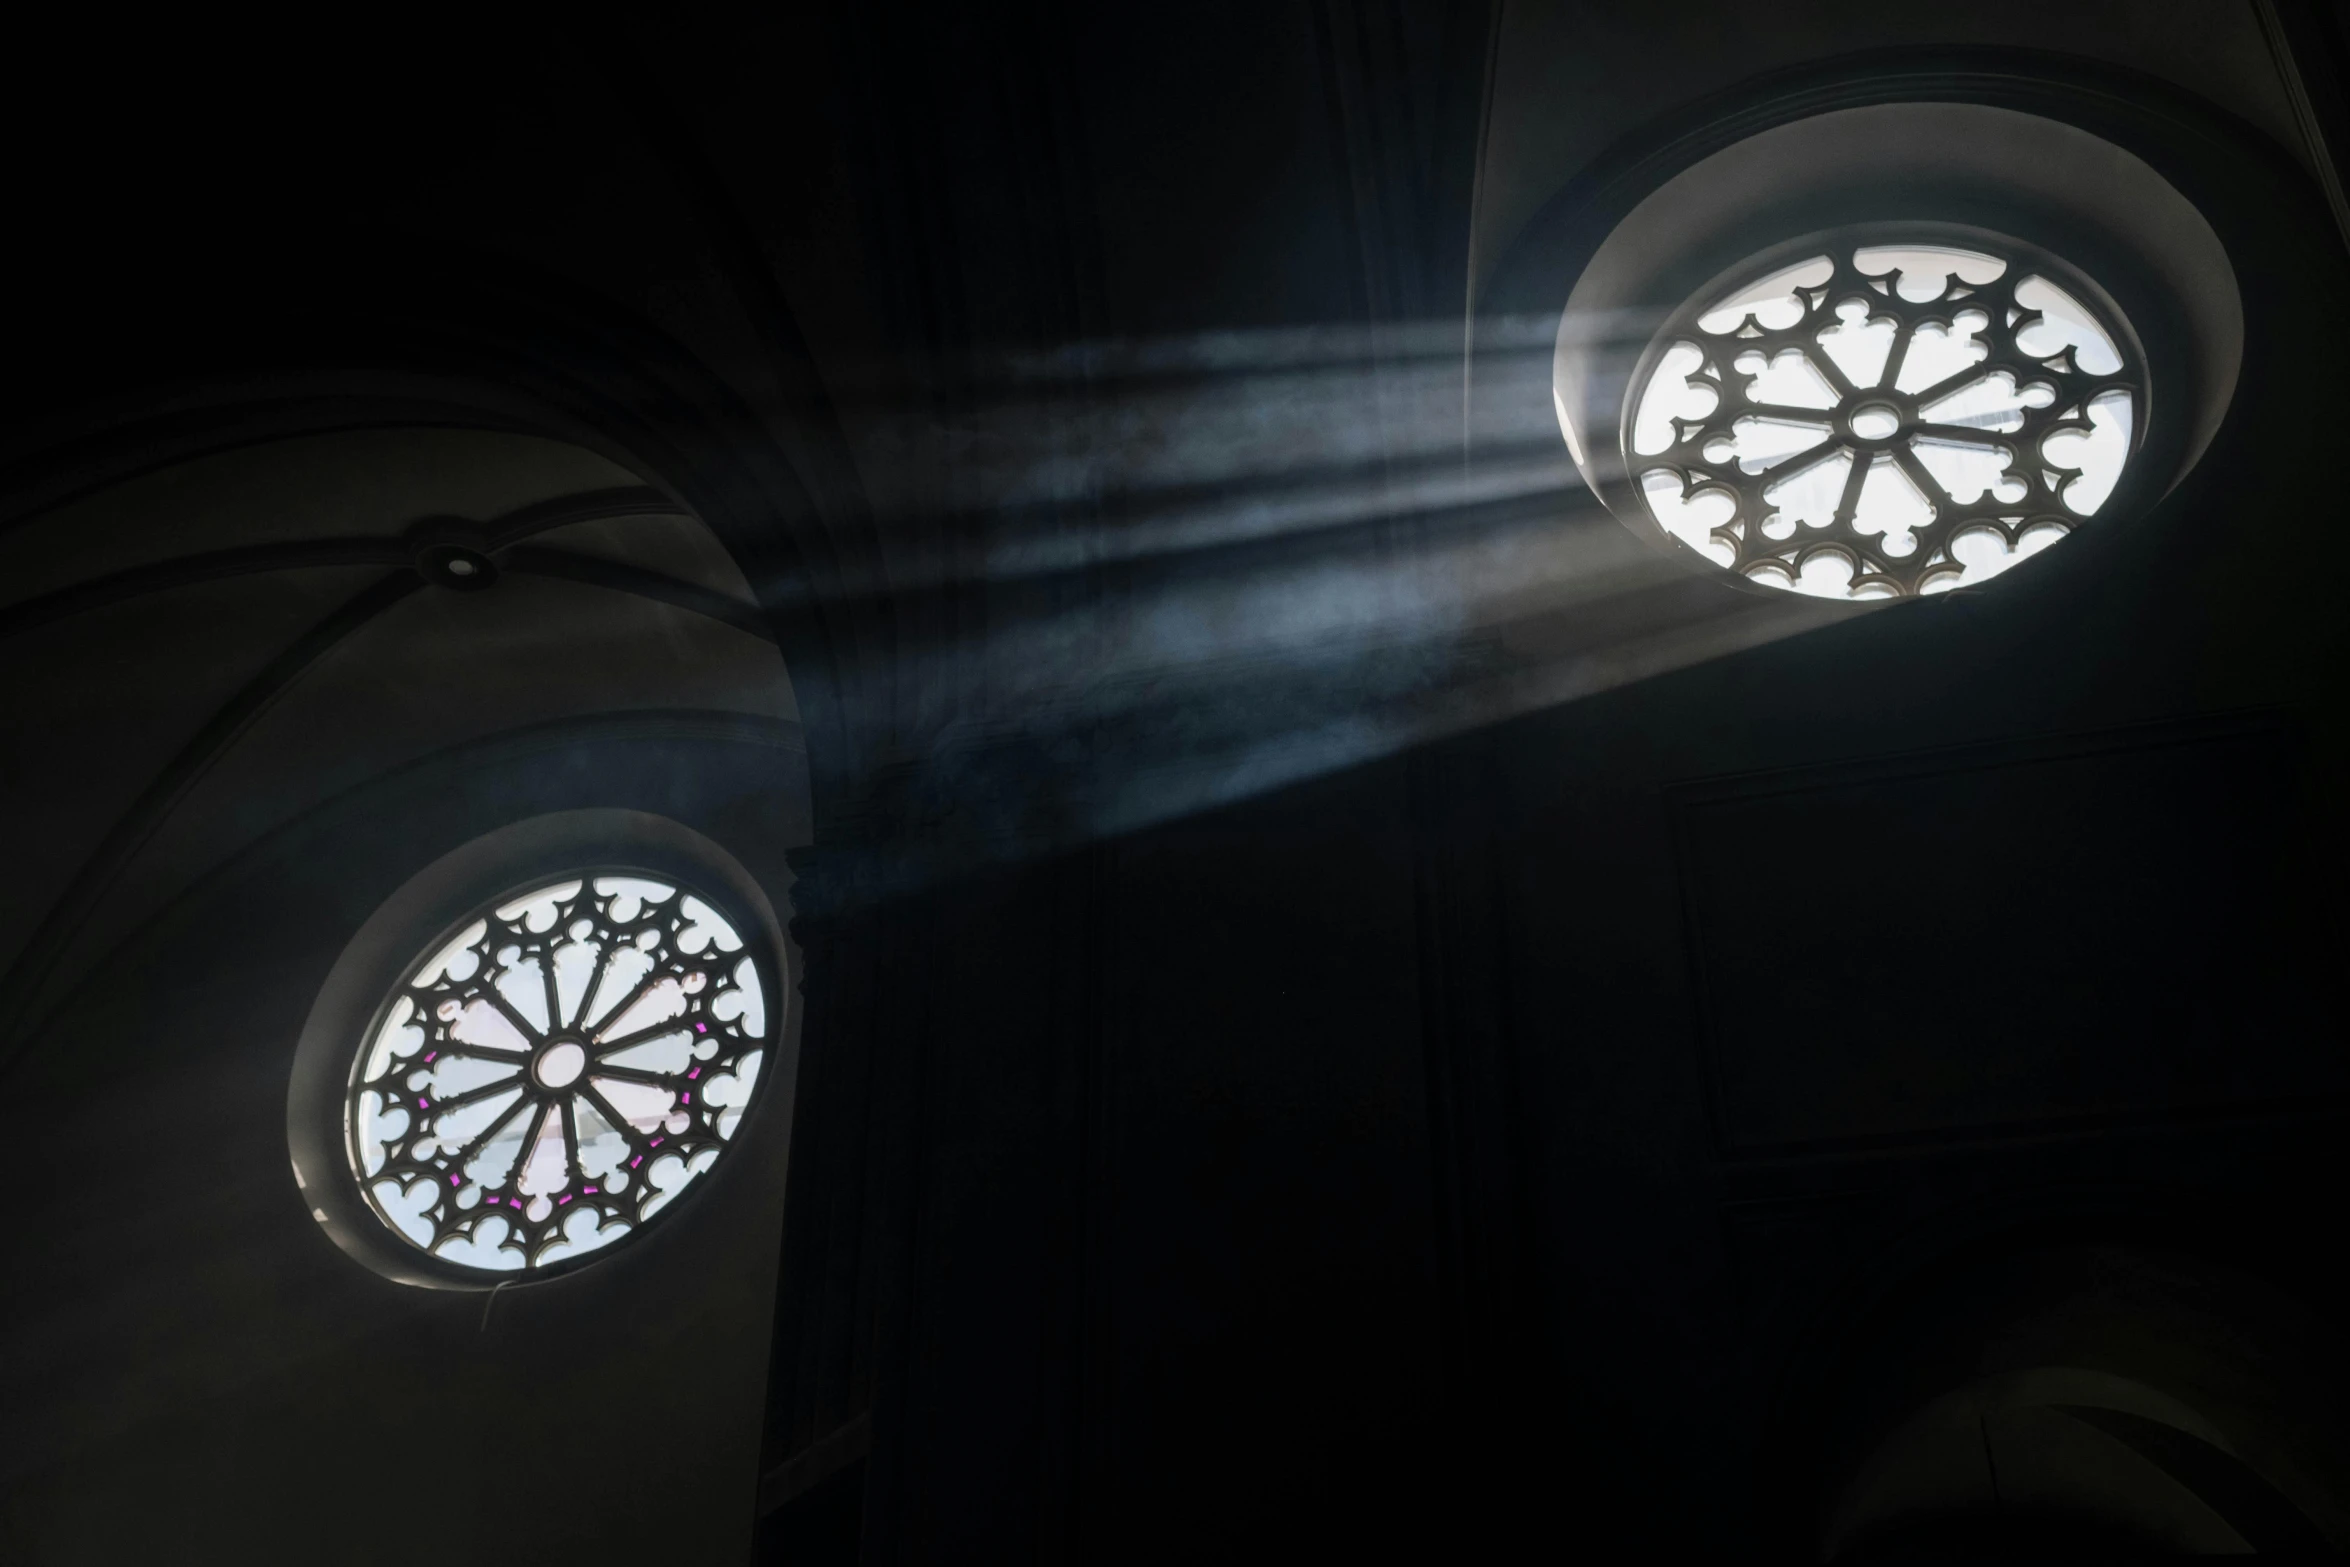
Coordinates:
1016 363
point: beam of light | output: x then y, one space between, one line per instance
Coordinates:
1226 564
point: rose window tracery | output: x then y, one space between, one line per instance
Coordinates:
549 1079
1887 415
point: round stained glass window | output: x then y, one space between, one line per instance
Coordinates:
553 1074
1879 413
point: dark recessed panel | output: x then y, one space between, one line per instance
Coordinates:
2126 924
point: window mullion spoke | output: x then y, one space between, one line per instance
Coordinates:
637 1036
1832 372
522 1025
1903 335
643 987
1952 382
1923 478
587 997
553 994
1965 434
573 1175
632 1074
476 1050
612 1116
1848 504
540 1088
441 1107
483 1138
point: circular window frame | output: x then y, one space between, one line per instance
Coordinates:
1710 207
430 909
2022 258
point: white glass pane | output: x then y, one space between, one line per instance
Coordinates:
523 985
1827 575
1937 352
670 1175
1788 379
575 966
458 961
580 1232
548 1169
406 1209
2038 537
1669 396
382 1122
1758 442
1690 519
665 999
495 1162
1983 552
1968 472
452 1075
485 1247
1992 403
601 1144
2099 453
703 926
481 1023
644 1106
1891 504
734 1088
1926 270
1772 301
745 1004
2063 324
399 1036
1858 344
1808 497
454 1129
631 895
622 972
667 1054
537 911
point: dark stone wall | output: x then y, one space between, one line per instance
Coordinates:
1260 1098
1511 1137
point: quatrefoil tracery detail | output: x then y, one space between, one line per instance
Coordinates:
545 1082
1978 428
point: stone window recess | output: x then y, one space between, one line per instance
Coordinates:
552 1074
1881 412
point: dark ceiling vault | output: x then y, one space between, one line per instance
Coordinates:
1317 1036
497 537
501 538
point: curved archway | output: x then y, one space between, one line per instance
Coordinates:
297 631
2083 1391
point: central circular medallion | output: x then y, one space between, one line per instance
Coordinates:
1878 413
549 1078
560 1064
1875 421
